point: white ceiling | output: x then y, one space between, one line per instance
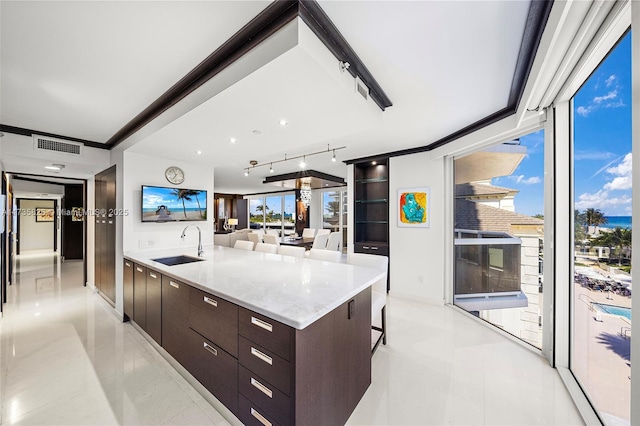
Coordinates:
84 69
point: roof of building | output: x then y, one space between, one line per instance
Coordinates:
480 217
475 189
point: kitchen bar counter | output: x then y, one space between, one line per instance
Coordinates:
294 291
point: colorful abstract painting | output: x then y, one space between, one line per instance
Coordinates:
413 207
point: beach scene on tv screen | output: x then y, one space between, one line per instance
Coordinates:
173 204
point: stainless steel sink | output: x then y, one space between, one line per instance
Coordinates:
177 260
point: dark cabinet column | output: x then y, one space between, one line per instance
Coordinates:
140 295
154 305
105 233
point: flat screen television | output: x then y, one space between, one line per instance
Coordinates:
162 204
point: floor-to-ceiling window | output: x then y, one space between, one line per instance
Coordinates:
334 213
600 355
499 235
273 212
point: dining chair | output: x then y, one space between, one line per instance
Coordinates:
325 255
244 245
323 231
320 241
267 248
271 239
254 238
378 292
308 233
275 232
291 251
335 241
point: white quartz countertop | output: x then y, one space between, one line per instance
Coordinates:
294 291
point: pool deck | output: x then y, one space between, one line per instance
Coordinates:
601 359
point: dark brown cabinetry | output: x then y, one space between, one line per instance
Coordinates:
127 287
140 295
105 233
260 369
147 301
175 318
154 305
371 198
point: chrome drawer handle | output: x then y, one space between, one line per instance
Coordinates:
210 301
264 357
172 284
210 348
260 418
110 222
262 388
374 248
152 275
366 247
127 264
138 269
261 324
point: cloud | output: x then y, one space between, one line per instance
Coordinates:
610 100
594 155
528 181
600 200
603 199
610 80
622 173
611 95
605 167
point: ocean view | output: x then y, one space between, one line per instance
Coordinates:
621 221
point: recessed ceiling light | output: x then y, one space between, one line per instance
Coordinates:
283 122
233 140
246 172
54 167
199 152
374 163
303 163
256 132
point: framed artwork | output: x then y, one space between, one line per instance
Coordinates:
413 207
44 214
76 214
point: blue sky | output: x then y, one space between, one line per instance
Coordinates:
602 147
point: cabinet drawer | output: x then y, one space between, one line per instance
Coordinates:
127 287
264 395
251 415
214 318
266 332
265 364
372 248
215 369
175 318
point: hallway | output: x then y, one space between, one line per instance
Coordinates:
65 359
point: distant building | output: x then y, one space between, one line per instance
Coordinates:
489 209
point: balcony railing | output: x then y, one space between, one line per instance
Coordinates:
487 270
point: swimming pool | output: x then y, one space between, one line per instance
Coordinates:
614 310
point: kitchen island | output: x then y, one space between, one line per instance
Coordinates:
276 339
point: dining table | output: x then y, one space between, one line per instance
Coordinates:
306 242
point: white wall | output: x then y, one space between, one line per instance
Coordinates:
22 186
146 170
34 235
416 254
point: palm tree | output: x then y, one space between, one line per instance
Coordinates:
618 238
579 233
183 194
595 218
195 193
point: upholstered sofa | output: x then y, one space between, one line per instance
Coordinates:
228 240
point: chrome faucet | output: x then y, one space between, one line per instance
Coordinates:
184 231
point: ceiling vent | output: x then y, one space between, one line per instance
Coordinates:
43 143
362 88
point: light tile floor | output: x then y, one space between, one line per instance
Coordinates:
65 359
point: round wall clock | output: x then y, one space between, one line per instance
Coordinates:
174 174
